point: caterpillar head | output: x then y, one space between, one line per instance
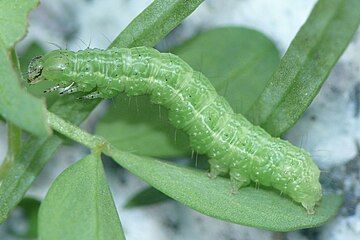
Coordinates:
51 67
35 69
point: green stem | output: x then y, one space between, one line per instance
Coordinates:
13 149
75 133
14 133
14 140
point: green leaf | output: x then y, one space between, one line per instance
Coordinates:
260 208
145 197
151 195
306 64
37 151
143 128
13 20
16 105
155 22
238 61
79 205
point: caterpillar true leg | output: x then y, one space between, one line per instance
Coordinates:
73 89
52 89
62 90
92 95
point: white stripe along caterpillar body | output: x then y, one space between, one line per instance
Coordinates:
233 145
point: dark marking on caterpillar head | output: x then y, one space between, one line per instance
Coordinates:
34 70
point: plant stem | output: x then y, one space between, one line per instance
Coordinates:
75 133
13 148
14 133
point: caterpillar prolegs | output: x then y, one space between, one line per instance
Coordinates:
233 145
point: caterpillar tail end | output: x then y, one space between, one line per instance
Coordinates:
309 206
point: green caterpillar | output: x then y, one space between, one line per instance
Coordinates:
233 145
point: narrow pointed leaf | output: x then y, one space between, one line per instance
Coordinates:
155 22
261 208
306 64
